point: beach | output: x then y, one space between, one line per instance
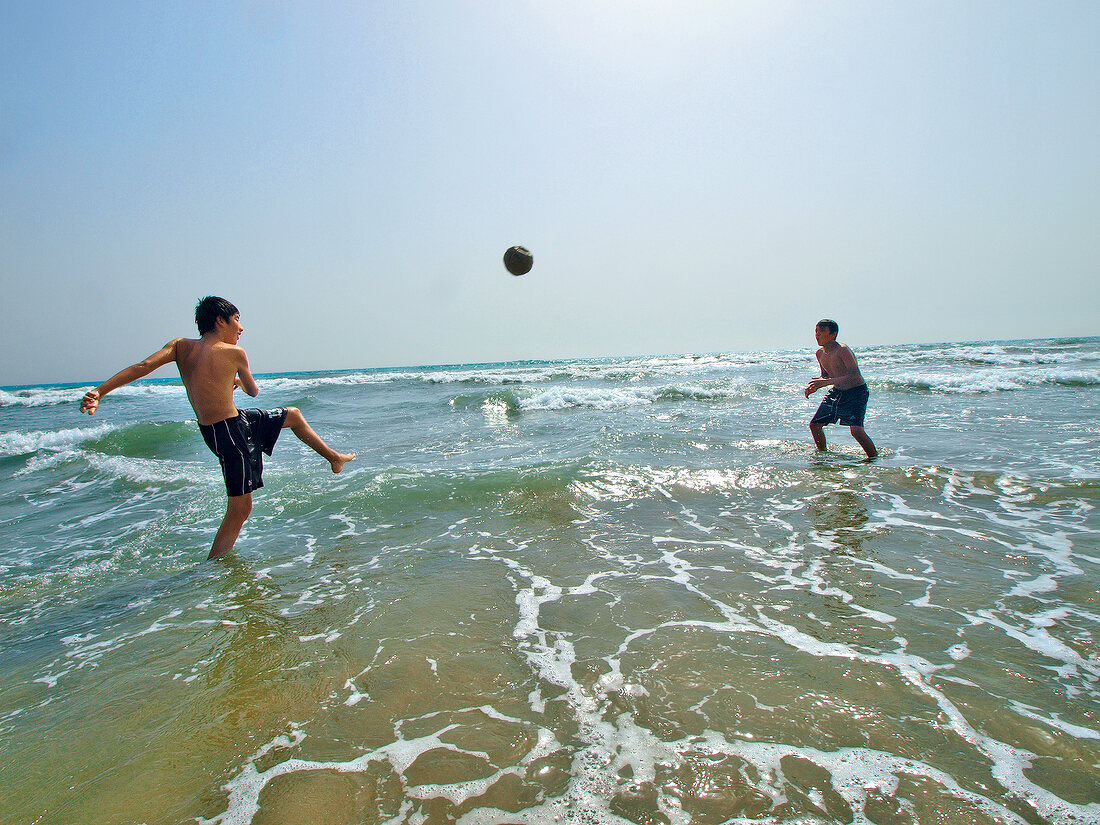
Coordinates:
606 590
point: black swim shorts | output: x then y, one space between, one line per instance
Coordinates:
239 443
848 407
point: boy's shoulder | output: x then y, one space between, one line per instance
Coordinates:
185 347
231 352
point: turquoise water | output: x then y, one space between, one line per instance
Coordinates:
618 590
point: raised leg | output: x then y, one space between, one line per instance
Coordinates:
300 427
236 514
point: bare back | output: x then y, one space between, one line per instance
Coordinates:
209 369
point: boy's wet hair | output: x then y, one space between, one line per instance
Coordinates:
832 326
210 309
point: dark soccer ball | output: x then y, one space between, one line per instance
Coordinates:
518 260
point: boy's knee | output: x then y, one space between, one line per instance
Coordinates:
240 506
293 417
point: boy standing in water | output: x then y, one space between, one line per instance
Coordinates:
847 400
212 367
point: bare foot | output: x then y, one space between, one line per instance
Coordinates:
340 460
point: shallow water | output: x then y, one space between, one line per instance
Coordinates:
610 591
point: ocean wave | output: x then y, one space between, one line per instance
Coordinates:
134 470
41 396
572 397
153 471
508 401
558 491
608 398
25 443
991 380
693 365
300 383
501 376
474 375
996 354
600 398
142 389
139 439
145 439
626 370
47 396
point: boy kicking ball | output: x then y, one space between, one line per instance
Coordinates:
212 367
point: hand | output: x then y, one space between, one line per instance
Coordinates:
236 382
90 402
815 385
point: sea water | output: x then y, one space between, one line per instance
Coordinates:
618 590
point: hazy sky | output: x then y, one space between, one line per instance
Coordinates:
690 176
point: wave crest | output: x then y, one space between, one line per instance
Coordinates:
991 380
608 398
17 443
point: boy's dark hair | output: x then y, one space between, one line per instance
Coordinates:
210 309
832 326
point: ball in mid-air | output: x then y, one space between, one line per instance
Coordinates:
518 260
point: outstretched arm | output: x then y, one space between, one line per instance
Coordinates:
165 355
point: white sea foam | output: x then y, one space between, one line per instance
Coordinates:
496 376
958 652
50 396
610 398
1007 355
245 788
152 471
304 383
985 380
47 396
1054 721
594 397
41 396
490 375
24 443
154 389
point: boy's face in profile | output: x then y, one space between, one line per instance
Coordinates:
823 335
230 331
